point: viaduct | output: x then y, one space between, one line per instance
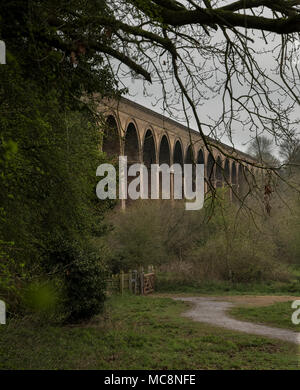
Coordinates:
145 136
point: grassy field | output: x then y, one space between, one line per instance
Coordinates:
278 314
140 333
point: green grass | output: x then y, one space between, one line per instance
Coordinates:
140 333
168 283
278 314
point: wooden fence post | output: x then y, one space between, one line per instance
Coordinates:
122 282
142 280
130 280
135 281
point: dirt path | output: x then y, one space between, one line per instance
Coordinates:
213 311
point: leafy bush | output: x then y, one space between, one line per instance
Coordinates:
238 261
285 226
85 285
149 233
11 275
49 152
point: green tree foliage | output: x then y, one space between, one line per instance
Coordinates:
49 152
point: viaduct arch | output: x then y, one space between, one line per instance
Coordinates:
146 136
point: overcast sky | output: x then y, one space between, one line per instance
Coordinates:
212 107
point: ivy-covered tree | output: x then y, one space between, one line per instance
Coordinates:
49 152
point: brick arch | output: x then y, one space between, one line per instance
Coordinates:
178 141
200 156
219 171
162 137
133 120
143 132
227 171
151 146
111 140
210 166
116 118
241 179
188 156
132 148
149 154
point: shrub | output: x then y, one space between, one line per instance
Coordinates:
85 285
150 232
218 243
238 261
285 227
240 248
137 238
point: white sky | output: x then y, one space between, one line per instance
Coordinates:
211 107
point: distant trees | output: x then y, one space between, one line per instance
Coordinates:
261 148
290 151
290 154
203 247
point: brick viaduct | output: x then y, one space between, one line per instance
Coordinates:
146 136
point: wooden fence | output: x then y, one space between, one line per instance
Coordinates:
137 282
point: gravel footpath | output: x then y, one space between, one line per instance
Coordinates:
213 312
